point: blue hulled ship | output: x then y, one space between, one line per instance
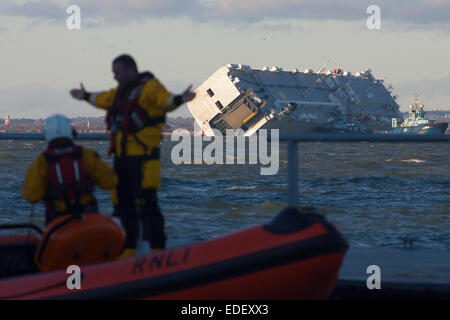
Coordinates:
416 122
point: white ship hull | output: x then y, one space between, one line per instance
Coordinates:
239 97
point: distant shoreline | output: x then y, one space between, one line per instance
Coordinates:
40 136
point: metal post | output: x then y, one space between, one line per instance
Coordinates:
292 173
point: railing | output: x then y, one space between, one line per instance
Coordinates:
293 139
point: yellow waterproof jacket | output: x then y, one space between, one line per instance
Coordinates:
155 100
36 179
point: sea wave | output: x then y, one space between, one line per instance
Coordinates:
413 161
241 188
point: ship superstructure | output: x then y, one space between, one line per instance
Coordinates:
416 115
241 97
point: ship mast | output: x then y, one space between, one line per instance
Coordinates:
324 66
307 92
416 99
318 81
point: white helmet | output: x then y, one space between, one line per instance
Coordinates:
56 127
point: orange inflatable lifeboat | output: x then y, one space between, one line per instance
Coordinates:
297 255
79 240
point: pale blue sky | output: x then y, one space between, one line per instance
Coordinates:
184 42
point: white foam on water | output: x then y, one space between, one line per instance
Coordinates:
241 188
413 161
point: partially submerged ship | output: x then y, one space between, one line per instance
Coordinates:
240 97
417 123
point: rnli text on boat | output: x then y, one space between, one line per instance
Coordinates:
166 259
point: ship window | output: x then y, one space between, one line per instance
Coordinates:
210 92
219 105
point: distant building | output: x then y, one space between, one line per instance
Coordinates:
7 121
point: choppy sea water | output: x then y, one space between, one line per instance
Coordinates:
376 194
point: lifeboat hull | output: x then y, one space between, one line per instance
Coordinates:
295 256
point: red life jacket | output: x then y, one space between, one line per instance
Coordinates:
126 114
67 178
